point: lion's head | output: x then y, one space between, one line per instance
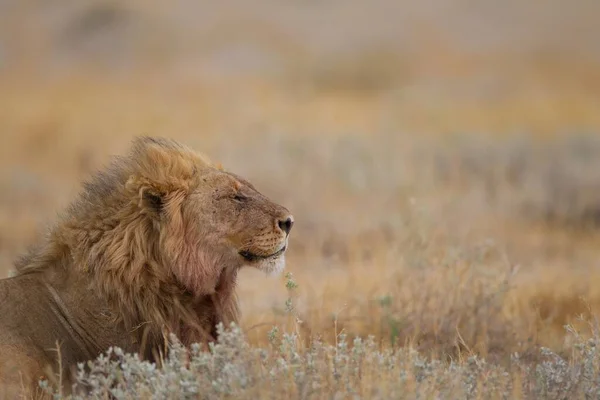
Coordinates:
208 219
161 234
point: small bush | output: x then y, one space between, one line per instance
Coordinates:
352 368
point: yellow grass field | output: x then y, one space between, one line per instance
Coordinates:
446 193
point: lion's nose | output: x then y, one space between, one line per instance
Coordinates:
286 224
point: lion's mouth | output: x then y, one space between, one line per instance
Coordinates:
248 256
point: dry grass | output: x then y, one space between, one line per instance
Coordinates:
479 243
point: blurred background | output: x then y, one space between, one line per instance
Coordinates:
441 157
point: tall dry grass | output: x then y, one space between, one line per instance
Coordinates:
482 242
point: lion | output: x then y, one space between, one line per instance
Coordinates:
152 246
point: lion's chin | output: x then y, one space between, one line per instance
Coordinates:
270 266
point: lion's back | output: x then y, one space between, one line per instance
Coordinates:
23 359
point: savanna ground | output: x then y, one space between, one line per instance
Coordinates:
441 160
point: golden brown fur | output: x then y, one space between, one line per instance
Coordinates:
153 245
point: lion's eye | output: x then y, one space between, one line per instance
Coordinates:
239 198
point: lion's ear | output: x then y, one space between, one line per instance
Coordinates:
151 200
148 197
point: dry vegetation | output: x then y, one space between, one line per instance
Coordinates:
449 247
